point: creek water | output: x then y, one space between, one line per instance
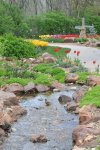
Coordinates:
52 121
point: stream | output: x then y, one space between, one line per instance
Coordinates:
52 121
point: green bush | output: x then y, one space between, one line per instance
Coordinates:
81 40
17 47
12 20
52 23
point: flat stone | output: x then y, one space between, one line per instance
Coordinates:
71 78
8 98
15 88
93 80
38 138
30 88
63 99
42 88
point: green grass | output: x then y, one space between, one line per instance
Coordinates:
2 72
61 53
82 76
92 97
22 81
98 148
49 69
41 78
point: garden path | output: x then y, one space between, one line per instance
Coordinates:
87 54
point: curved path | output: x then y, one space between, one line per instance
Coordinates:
87 54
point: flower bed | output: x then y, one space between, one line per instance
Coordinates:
38 43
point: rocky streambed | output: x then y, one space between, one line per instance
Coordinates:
48 118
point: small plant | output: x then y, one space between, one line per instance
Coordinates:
43 79
20 69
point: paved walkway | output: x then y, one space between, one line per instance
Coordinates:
87 54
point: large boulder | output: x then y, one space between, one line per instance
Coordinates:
15 88
8 98
1 105
5 121
30 88
42 88
71 106
16 111
38 138
77 96
63 99
93 80
58 86
71 78
97 44
89 114
86 136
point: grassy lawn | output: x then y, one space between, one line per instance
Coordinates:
92 97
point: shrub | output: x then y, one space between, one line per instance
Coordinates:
17 47
52 23
79 68
81 40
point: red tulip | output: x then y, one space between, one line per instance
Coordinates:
94 62
57 49
78 52
75 52
67 51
